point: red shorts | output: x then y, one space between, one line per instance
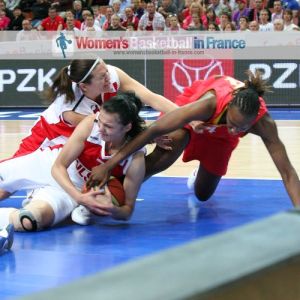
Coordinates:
213 150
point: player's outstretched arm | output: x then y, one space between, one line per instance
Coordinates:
267 130
200 110
154 100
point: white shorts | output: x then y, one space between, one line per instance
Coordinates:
33 172
60 201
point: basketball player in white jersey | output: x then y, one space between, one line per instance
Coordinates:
94 141
79 90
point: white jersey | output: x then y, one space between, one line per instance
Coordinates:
33 172
51 128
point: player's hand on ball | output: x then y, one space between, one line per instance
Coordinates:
91 200
99 176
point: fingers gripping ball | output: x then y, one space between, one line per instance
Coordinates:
116 189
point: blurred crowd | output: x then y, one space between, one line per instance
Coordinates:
147 15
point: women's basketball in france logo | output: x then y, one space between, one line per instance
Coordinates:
63 45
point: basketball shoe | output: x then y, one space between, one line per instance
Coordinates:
191 179
6 238
81 215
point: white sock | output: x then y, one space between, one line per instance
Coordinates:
4 216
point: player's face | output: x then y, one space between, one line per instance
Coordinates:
236 122
111 129
100 82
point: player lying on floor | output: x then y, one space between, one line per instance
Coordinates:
94 141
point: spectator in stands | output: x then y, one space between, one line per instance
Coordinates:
116 5
120 6
196 23
91 25
253 26
225 18
69 14
210 17
100 16
27 33
77 10
115 24
195 8
242 11
40 11
53 22
8 13
244 24
277 11
108 14
264 24
288 20
213 27
173 22
62 6
129 17
217 6
139 7
4 20
254 12
69 24
152 20
16 23
167 8
278 25
85 13
230 27
293 5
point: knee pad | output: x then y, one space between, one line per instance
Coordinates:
21 215
28 215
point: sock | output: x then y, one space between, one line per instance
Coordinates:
4 216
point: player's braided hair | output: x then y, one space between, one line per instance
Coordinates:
247 97
62 84
127 105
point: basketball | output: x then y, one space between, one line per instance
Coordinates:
116 189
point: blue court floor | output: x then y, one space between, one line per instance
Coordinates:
166 215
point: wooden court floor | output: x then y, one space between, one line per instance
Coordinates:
249 160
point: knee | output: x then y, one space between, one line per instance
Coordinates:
202 195
27 220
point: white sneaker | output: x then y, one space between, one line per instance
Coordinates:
192 178
6 238
81 215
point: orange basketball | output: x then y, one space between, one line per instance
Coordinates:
116 189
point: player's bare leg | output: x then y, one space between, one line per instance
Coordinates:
205 184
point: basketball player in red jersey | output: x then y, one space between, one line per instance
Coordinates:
94 141
228 109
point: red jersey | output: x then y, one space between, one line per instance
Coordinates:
52 24
51 129
93 154
214 145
